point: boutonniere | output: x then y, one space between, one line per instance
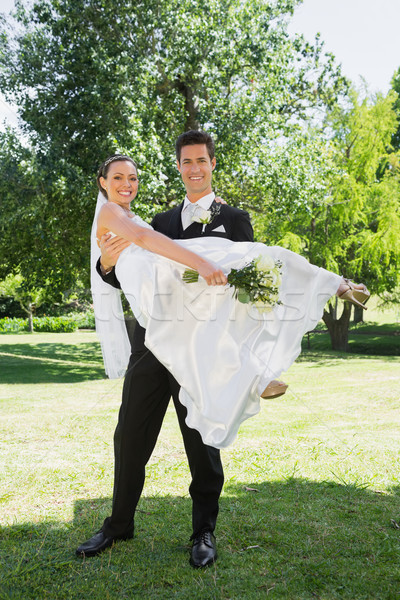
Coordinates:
207 216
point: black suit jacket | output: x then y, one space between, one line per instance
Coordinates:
235 221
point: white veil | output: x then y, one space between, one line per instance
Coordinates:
108 312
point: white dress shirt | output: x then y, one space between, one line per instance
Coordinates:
191 208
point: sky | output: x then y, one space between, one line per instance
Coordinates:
362 34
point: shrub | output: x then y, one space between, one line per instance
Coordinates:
54 324
84 320
45 324
13 325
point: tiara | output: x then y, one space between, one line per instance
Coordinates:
111 159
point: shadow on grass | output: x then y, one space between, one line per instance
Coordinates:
294 539
362 342
330 357
50 363
83 352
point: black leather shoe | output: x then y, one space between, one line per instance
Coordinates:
97 544
204 550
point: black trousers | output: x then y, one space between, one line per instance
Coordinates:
147 390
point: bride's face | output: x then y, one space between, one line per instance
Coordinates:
121 183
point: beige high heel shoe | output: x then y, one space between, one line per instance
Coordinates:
354 295
274 389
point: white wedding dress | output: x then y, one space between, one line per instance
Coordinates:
222 353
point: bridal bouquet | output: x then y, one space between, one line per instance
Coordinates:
256 283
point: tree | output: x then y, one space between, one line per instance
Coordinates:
90 75
96 76
352 226
396 88
40 236
28 298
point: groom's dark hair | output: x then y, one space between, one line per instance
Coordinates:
192 137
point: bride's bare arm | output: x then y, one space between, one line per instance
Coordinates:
113 218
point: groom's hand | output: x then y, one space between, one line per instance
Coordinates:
111 248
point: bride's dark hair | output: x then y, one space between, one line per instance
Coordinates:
103 170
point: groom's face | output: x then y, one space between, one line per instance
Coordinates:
196 167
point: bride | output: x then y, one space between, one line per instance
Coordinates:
222 353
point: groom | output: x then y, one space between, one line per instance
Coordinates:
148 385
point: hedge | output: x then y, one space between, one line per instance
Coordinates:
45 324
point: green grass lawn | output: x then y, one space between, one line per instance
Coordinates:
384 315
309 508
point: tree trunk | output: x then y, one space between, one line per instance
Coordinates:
338 328
358 314
28 308
191 104
30 318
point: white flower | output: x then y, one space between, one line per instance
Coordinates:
276 278
264 263
204 217
263 307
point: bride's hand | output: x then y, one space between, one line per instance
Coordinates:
212 274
